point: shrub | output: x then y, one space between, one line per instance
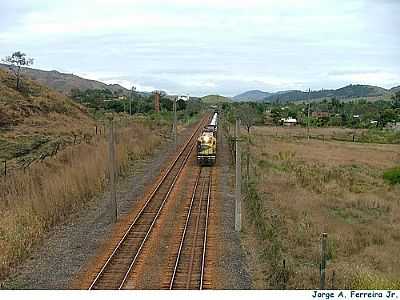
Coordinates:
392 175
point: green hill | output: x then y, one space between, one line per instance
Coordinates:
348 92
36 119
215 99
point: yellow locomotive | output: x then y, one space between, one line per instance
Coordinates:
207 143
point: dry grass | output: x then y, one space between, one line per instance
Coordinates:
302 189
35 200
373 135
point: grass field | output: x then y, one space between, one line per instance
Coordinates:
375 135
34 200
299 189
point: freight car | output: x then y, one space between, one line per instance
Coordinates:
207 143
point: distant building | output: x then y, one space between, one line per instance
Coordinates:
320 114
183 97
373 122
289 121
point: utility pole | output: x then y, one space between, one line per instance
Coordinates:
112 168
308 116
238 193
174 129
133 90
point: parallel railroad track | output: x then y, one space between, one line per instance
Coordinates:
119 265
189 267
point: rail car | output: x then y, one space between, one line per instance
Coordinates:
207 143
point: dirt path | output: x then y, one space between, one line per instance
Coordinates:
231 266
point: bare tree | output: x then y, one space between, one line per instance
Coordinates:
247 115
16 61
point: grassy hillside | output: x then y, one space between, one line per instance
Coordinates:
38 129
254 95
214 99
34 119
64 83
351 91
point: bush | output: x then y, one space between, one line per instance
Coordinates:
392 175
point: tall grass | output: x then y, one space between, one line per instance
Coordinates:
295 194
31 202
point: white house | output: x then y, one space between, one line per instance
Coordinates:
289 121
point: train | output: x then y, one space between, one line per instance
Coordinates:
207 143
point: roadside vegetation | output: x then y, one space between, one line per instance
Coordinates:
54 158
328 113
294 190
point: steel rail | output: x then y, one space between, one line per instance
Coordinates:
122 240
203 261
184 232
196 230
155 219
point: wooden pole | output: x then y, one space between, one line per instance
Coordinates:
308 116
175 125
112 161
323 261
238 195
5 168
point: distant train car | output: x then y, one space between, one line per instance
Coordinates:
207 143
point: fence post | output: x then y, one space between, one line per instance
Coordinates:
238 196
333 280
5 168
111 147
174 129
323 261
284 274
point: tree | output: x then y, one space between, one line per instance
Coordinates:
396 100
16 61
248 115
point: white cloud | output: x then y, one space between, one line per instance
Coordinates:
210 46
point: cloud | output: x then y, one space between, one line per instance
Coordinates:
210 46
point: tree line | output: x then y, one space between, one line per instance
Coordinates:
326 113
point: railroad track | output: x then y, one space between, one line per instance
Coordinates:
189 267
119 265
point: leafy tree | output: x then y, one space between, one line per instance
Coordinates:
180 104
16 61
396 100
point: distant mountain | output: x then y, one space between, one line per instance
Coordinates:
64 83
395 89
254 95
214 99
350 91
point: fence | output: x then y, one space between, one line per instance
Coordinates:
51 149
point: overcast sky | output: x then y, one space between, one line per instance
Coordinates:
203 47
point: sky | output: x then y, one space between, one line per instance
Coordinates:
201 47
